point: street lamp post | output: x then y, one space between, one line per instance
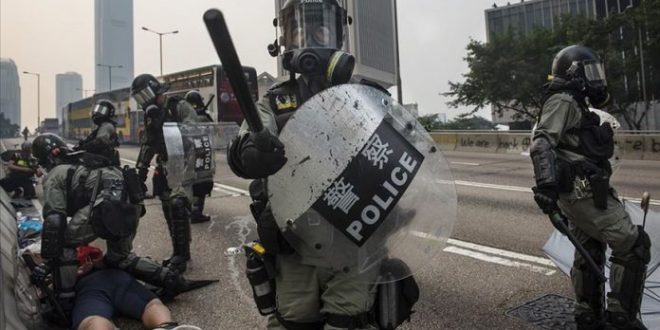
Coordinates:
110 73
160 40
38 96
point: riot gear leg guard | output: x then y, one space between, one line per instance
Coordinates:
589 292
629 288
180 233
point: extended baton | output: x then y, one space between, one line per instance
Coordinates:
219 33
559 221
646 198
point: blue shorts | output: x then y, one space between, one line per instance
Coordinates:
108 293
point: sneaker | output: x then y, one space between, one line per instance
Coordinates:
175 326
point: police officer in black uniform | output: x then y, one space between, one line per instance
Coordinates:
103 140
158 108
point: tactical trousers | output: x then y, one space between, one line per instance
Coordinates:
305 294
612 227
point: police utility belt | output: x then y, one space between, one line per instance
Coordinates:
586 180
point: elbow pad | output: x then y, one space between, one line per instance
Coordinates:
545 161
234 155
52 235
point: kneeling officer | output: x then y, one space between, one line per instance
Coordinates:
102 201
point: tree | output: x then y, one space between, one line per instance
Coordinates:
7 129
430 122
508 72
468 123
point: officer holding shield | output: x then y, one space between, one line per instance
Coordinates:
570 151
150 96
308 296
202 189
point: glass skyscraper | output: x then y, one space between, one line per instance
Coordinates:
10 91
113 44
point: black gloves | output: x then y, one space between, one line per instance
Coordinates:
546 199
256 155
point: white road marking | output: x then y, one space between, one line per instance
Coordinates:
494 255
233 191
529 190
463 163
500 261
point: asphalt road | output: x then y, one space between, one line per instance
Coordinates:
492 264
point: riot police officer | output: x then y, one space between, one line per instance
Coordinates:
570 151
102 201
201 189
22 170
150 96
103 140
308 296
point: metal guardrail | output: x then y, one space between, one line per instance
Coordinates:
637 145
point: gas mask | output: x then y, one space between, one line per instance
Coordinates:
312 34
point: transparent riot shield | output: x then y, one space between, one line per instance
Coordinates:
190 153
364 182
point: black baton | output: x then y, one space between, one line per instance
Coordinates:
217 27
559 221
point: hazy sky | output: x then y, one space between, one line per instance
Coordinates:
51 37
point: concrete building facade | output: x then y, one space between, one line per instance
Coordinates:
10 91
113 44
68 87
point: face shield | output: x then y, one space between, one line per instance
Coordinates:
102 110
144 96
312 25
594 73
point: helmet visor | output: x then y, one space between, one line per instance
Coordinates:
144 96
101 109
594 72
312 25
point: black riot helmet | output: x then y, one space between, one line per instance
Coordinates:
582 65
312 35
103 111
145 89
195 98
47 147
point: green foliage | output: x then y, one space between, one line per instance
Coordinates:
509 71
468 123
430 122
7 129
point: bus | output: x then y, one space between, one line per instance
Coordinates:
211 81
78 122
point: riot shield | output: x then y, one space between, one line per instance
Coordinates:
364 182
190 153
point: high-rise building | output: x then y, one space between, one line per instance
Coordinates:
68 88
371 39
526 15
113 44
10 91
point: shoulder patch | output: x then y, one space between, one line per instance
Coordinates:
285 102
